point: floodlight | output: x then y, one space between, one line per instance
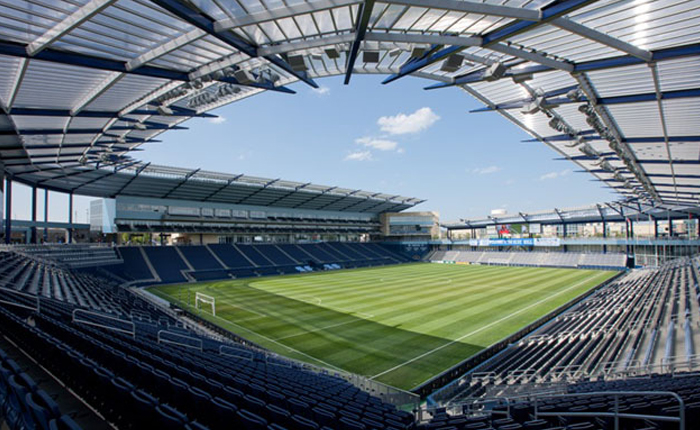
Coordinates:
370 56
297 63
453 63
495 72
244 77
519 79
332 53
164 110
418 51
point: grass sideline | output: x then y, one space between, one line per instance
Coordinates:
399 325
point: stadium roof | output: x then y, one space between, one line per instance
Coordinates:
608 212
613 86
147 180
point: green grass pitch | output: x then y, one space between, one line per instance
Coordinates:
399 325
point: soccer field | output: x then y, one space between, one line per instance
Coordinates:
399 325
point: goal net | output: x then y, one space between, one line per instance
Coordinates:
204 300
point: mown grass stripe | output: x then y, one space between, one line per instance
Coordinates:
371 320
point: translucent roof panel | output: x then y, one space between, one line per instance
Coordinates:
612 86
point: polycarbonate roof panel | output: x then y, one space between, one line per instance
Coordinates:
103 65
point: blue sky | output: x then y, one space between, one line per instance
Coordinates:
396 139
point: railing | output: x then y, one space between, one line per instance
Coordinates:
447 384
502 405
19 299
179 339
400 398
95 319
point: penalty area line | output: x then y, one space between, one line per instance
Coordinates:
289 348
319 329
537 303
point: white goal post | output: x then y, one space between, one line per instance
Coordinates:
205 299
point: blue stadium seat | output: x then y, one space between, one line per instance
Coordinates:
303 423
251 421
43 409
64 423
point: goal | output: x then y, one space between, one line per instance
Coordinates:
203 299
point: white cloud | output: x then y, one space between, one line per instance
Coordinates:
377 143
359 156
486 170
416 122
322 91
217 120
554 175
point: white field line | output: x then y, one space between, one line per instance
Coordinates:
539 302
243 308
319 302
289 348
319 329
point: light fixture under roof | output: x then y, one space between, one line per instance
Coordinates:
495 72
452 64
332 53
164 110
244 77
297 62
524 77
370 56
418 51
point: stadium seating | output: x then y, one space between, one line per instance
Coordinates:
200 258
143 380
539 259
167 263
643 323
140 368
73 255
222 261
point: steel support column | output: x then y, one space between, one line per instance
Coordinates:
46 215
564 231
605 236
8 210
34 238
70 218
656 228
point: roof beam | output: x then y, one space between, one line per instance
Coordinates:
16 83
223 187
181 183
662 117
633 140
548 13
626 99
14 49
116 170
195 18
84 13
52 131
280 13
132 179
432 39
364 13
97 91
474 7
692 50
602 38
532 56
100 113
299 45
164 49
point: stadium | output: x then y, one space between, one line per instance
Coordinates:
192 298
